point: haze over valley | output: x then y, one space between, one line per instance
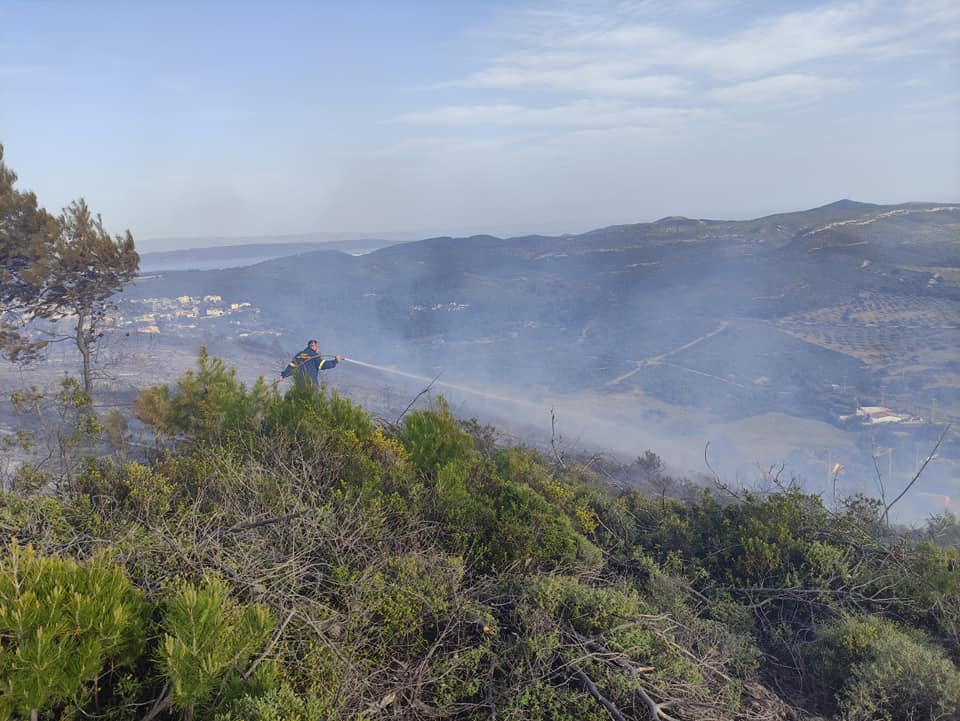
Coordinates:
760 337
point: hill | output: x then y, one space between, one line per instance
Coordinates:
686 325
233 252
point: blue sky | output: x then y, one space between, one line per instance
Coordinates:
422 118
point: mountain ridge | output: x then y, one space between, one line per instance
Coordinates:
805 315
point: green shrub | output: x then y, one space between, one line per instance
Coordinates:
63 626
496 522
130 489
208 641
279 704
433 438
41 521
590 610
306 409
527 527
402 603
873 670
902 678
545 702
208 404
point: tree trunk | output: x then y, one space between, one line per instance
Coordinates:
83 345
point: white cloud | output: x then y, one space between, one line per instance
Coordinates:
583 113
778 90
610 78
792 40
646 50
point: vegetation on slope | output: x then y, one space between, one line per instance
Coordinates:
289 557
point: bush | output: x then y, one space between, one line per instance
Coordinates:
62 625
307 409
131 489
207 642
433 438
496 522
873 670
279 704
403 603
902 678
209 404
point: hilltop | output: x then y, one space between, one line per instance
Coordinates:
689 326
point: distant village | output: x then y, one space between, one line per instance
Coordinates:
185 313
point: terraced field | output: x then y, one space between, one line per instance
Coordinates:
883 330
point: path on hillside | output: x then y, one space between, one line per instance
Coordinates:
707 375
880 216
657 359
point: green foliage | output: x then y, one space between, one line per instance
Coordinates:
131 489
433 438
63 625
308 408
590 610
874 670
340 446
759 542
492 520
54 269
497 523
724 631
41 520
402 603
208 640
527 527
279 704
546 702
592 512
933 580
28 478
425 572
944 529
562 619
26 233
208 405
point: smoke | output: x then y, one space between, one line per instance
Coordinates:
754 337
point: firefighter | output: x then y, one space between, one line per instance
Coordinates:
306 365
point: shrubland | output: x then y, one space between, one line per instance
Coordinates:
287 556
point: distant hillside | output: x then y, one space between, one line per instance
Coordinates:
583 311
236 254
802 315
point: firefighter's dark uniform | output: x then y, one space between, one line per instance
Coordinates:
306 366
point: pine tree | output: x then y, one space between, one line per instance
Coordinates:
26 230
57 269
62 624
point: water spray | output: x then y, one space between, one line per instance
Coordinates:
434 381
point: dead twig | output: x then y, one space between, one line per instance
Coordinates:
266 522
916 476
556 440
595 692
416 397
163 700
656 709
716 477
